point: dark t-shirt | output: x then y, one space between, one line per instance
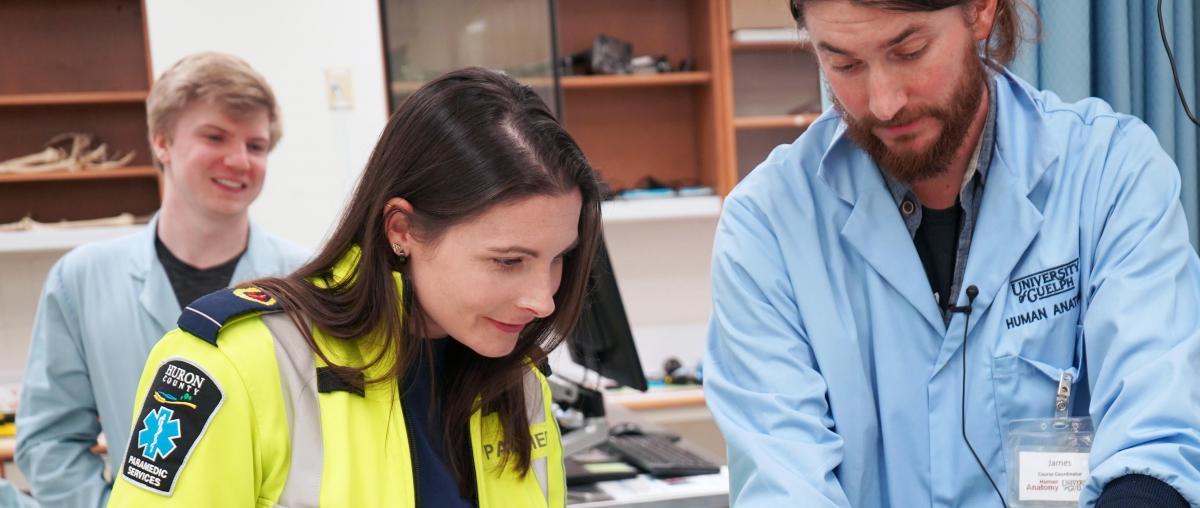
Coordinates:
189 282
937 245
422 411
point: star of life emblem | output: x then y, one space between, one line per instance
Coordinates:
158 434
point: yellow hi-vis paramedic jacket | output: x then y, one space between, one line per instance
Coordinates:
237 411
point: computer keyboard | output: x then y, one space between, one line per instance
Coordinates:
659 455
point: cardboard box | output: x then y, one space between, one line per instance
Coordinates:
760 14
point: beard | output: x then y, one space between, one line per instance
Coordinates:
910 166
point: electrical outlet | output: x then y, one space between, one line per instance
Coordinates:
339 90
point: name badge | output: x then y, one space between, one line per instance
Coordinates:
1050 476
1051 455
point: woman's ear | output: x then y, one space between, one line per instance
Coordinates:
396 213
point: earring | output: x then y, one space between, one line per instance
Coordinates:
400 252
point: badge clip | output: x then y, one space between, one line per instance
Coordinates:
1062 400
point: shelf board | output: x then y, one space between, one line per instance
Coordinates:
661 209
408 87
671 397
125 172
53 99
802 120
636 80
60 239
786 45
594 82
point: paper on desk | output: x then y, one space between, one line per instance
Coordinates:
647 488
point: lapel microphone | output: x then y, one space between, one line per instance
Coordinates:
972 292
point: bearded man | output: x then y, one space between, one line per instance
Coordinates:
954 289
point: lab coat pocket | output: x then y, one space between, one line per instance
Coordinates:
1026 388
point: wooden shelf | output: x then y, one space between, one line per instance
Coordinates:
657 398
636 80
408 87
783 45
51 99
125 172
802 120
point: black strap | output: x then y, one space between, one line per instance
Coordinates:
328 381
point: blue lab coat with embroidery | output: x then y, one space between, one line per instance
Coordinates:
829 369
103 307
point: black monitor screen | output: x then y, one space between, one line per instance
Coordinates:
602 340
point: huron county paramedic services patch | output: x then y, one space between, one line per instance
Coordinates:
182 401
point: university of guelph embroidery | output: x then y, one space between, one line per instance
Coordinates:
175 413
1046 283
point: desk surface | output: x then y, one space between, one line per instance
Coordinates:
657 398
644 491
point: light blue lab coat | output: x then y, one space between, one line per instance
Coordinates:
102 309
829 369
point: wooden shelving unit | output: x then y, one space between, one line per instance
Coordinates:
776 89
674 127
685 128
75 66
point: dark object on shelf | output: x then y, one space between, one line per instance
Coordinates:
686 65
675 374
659 455
576 64
651 187
611 55
608 55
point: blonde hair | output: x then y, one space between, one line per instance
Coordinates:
225 79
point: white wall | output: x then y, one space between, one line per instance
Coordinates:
21 278
662 269
292 43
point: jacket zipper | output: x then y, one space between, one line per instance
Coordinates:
412 454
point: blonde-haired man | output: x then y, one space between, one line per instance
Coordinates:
212 121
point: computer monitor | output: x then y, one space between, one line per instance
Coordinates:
602 340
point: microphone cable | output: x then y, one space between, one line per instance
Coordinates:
1162 31
972 292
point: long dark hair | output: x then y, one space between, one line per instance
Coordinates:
465 142
1003 43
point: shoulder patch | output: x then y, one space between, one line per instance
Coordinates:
182 401
205 316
